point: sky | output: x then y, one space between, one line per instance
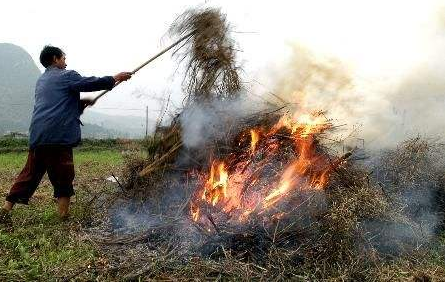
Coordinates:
377 40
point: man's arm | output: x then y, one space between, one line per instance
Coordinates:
88 84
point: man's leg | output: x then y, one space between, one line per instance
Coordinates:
60 168
24 186
26 182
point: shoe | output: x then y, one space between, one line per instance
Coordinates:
5 219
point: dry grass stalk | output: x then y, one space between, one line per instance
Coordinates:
211 70
159 162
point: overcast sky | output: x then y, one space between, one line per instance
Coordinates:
105 37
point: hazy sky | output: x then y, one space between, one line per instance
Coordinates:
375 38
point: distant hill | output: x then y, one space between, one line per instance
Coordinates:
98 132
18 76
129 126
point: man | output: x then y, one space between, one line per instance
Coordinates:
55 130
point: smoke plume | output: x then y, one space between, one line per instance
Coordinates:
389 105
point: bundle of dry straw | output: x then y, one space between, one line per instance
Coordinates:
211 70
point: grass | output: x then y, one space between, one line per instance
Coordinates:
8 144
42 247
16 160
12 160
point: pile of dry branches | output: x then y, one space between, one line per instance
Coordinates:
353 224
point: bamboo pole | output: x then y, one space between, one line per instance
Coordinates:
149 61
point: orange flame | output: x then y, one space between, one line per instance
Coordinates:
216 186
255 138
291 175
303 126
309 170
310 124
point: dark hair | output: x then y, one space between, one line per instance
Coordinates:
48 53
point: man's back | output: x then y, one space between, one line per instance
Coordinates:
55 120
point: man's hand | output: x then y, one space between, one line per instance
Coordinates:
123 76
84 103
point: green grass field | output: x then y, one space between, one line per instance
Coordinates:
41 247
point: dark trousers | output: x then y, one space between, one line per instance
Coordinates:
57 161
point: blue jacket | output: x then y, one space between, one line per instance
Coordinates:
55 119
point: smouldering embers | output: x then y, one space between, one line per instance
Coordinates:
269 166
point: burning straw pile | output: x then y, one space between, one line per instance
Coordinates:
268 201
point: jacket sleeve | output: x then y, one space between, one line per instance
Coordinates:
77 83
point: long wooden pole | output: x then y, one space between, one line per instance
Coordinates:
149 61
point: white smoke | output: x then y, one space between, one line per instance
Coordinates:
393 92
203 122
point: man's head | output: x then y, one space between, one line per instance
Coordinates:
52 56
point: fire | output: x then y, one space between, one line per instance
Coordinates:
251 187
311 125
303 125
294 173
216 186
255 138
